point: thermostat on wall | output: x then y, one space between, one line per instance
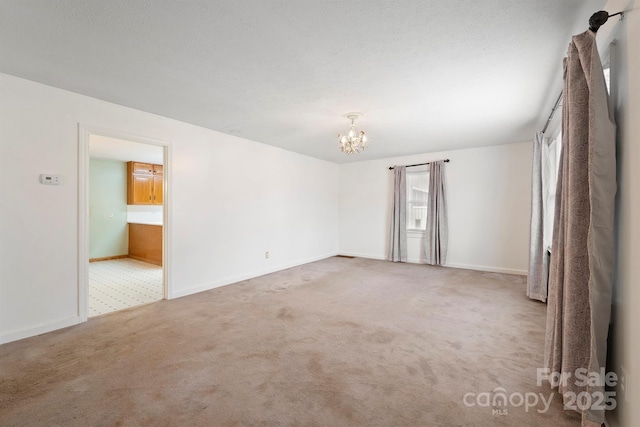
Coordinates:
50 179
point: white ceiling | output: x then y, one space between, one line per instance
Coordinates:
428 75
103 147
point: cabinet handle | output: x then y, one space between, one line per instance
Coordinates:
149 197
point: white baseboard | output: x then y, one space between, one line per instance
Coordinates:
362 255
39 329
70 321
247 276
488 269
450 265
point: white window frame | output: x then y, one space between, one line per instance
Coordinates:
417 171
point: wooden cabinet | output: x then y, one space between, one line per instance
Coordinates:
140 190
158 178
145 243
144 184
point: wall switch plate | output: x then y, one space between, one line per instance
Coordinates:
50 179
266 255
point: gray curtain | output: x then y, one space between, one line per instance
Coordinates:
550 166
544 175
580 280
538 258
437 224
398 229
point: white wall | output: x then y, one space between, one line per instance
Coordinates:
489 207
230 201
625 337
108 231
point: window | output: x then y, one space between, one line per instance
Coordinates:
608 64
551 163
417 196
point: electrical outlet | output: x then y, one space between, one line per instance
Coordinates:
266 255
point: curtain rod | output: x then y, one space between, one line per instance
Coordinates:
419 164
595 22
553 111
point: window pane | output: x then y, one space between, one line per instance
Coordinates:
607 79
417 195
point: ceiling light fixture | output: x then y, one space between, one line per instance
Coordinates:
354 141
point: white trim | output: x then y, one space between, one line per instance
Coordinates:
167 195
488 269
39 329
362 255
84 131
83 223
241 277
448 265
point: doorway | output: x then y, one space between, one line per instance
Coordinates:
123 234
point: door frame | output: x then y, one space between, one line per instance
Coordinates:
84 132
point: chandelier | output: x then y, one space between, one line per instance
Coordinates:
354 141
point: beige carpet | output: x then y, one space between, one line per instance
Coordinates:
339 342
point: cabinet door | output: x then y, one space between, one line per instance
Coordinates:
141 187
141 168
157 190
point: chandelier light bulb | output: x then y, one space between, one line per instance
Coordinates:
353 141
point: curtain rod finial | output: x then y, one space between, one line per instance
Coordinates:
597 20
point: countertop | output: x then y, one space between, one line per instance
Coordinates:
145 222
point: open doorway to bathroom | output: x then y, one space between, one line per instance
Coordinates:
125 223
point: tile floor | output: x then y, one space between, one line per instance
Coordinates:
122 283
